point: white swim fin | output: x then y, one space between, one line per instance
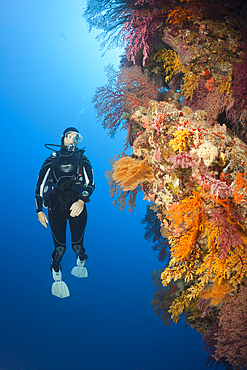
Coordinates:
59 287
80 271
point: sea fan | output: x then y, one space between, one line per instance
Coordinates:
125 90
153 234
142 27
229 235
231 336
129 172
210 342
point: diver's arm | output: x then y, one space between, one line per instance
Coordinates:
42 219
89 184
44 171
76 208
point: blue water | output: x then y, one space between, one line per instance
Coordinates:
50 67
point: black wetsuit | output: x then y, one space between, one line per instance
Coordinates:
62 168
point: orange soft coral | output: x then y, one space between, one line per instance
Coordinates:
217 292
188 214
129 172
241 186
183 14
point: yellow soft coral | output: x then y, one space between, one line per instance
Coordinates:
172 66
225 84
171 62
190 82
180 140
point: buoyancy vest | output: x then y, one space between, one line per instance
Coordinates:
54 194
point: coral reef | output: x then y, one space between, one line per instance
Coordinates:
193 174
181 95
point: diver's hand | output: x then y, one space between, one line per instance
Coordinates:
76 208
42 219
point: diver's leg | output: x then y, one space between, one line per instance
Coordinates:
57 221
77 228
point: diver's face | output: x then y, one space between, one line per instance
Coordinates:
71 138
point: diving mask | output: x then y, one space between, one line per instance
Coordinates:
73 137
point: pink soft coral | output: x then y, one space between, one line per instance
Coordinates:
184 160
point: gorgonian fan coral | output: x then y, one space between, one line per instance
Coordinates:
108 16
125 90
141 29
232 333
153 233
226 340
163 298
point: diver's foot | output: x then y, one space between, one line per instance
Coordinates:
57 275
82 256
59 287
56 267
80 271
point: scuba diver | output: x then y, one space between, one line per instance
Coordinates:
65 184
